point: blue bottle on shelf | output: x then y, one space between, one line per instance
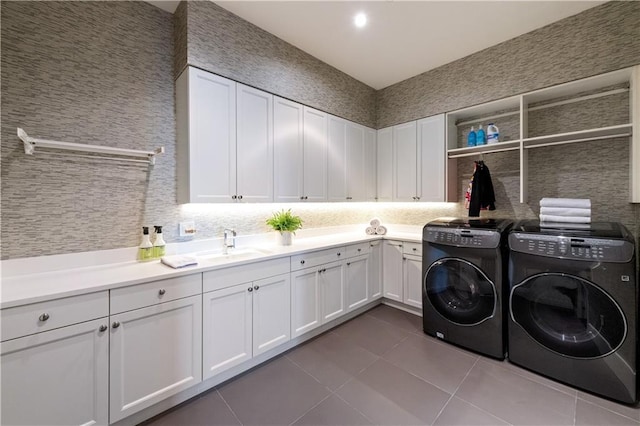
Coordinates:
481 137
471 138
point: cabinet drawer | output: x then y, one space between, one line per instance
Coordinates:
227 277
357 249
412 249
315 258
141 295
29 319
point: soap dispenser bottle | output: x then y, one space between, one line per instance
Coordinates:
145 251
158 244
471 138
481 137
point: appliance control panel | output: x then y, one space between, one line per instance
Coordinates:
575 248
475 238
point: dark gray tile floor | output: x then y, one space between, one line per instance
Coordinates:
381 369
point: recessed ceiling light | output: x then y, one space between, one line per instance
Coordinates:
360 20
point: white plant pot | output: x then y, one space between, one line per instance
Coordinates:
285 238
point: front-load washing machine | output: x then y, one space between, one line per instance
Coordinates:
463 270
573 305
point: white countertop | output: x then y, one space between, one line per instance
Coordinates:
21 286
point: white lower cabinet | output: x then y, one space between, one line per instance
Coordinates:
155 352
332 289
374 276
356 273
392 275
243 321
412 281
59 377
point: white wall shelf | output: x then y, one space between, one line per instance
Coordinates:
586 89
110 153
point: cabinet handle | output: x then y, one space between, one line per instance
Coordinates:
43 317
162 291
233 197
349 198
250 289
115 324
239 197
256 288
302 262
103 328
414 249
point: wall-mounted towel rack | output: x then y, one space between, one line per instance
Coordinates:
30 145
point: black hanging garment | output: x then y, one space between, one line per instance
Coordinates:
482 195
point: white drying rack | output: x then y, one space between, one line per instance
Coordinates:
121 154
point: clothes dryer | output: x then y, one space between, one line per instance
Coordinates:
573 305
464 282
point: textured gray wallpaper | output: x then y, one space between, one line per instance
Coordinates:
103 73
223 43
601 39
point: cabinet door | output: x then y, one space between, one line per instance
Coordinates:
385 164
57 377
305 302
227 324
356 273
206 148
432 157
336 160
412 281
375 270
316 128
155 352
288 150
271 313
404 162
370 166
392 270
332 289
254 145
355 166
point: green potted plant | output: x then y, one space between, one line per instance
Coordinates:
286 224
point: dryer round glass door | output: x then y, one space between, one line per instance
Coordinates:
568 315
460 292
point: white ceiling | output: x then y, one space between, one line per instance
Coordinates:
402 38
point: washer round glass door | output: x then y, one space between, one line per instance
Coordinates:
460 291
568 315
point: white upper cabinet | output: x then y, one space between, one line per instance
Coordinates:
336 159
206 137
384 162
405 164
432 158
254 145
316 129
356 156
288 160
370 165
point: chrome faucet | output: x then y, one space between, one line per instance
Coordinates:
229 240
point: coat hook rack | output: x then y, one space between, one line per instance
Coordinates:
30 145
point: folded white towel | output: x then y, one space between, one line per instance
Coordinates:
564 219
381 230
565 211
370 230
179 261
554 225
579 203
375 222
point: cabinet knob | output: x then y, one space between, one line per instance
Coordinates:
302 262
359 250
256 287
301 197
338 254
239 197
103 328
44 317
162 291
414 249
233 197
250 289
306 197
418 198
348 263
115 324
349 198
